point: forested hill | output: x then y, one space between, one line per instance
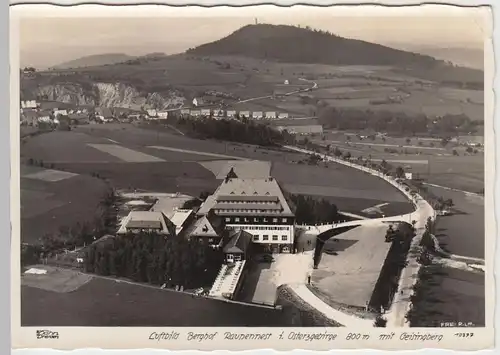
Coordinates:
290 44
304 45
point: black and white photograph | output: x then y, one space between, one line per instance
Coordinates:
266 167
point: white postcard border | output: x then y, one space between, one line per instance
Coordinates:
114 338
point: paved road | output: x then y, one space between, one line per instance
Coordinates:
423 210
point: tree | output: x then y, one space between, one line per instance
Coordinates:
347 155
445 141
400 172
408 140
455 153
469 150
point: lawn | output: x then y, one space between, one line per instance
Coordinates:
110 303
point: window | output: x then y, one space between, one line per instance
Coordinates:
265 237
237 219
275 220
275 237
237 257
255 219
228 219
256 237
284 220
284 237
210 240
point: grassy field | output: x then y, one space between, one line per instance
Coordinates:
105 302
349 278
350 189
48 205
462 233
452 296
425 157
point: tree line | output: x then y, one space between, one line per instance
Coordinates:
155 259
400 123
245 131
309 210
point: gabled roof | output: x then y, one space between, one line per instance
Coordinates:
147 220
238 243
209 225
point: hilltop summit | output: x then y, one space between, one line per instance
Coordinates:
305 45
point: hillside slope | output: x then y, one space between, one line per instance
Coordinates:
94 60
303 45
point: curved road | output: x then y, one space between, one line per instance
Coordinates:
423 210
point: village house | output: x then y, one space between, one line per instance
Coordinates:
104 114
257 115
185 112
198 101
205 112
244 114
271 115
59 112
78 118
29 104
283 115
152 113
162 115
231 113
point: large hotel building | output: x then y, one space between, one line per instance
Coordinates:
257 206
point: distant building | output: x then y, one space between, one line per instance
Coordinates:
58 112
218 113
408 176
257 115
244 114
283 115
195 113
29 104
79 118
29 117
270 115
197 101
162 115
185 111
286 82
257 206
105 113
205 112
152 113
231 113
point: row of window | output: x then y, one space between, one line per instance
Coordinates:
257 219
234 210
265 228
265 237
248 202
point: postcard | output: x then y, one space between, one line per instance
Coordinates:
252 177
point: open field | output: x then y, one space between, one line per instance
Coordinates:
56 279
186 167
453 296
184 177
349 278
462 233
424 157
120 303
48 205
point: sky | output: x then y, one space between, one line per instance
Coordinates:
52 36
